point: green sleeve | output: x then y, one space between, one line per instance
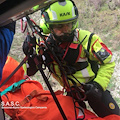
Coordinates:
106 68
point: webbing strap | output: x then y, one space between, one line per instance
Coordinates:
24 60
89 41
38 94
13 87
94 65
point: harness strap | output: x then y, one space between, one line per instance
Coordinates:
94 65
72 53
33 94
89 41
80 65
41 95
20 65
88 46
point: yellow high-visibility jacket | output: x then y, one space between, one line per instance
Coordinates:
97 50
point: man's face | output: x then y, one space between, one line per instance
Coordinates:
61 29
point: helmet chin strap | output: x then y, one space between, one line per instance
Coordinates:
67 37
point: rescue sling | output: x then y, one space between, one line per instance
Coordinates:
26 99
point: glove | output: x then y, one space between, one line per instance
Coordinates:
28 45
93 91
32 69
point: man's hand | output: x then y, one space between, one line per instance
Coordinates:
93 90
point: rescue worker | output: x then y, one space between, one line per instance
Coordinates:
74 50
6 37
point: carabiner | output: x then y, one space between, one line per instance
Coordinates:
25 25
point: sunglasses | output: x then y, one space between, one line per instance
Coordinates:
60 26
